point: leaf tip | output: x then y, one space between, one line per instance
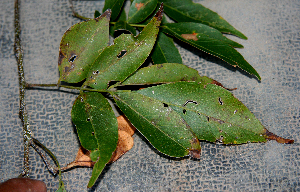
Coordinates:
106 14
159 13
272 136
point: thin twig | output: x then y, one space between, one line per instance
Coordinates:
22 111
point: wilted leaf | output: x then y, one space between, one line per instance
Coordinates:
162 126
166 73
127 51
115 6
209 41
187 11
140 10
95 121
212 112
165 51
80 46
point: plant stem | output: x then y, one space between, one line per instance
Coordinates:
28 85
22 84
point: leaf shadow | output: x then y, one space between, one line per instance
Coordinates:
211 58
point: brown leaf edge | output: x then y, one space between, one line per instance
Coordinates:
125 143
271 136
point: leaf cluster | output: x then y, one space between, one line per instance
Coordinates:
169 103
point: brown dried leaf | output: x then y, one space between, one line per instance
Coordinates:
125 143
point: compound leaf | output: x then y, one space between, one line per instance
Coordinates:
128 53
80 46
97 128
207 40
188 11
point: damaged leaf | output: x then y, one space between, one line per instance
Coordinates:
127 51
159 123
209 41
188 11
165 51
80 46
212 113
97 128
141 9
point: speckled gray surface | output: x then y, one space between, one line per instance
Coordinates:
273 49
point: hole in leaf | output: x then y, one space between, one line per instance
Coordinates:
190 101
72 59
93 133
88 119
95 72
207 118
220 101
184 111
122 53
166 105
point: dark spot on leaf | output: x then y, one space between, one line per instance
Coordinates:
60 57
159 66
66 69
195 153
220 101
207 118
72 58
81 99
95 72
122 53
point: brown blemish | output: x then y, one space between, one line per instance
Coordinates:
106 14
60 57
272 136
195 151
190 36
220 84
159 13
139 6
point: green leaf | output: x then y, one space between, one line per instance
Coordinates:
212 112
208 42
123 25
140 9
97 128
187 11
80 46
125 56
166 73
115 6
161 125
97 14
165 51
